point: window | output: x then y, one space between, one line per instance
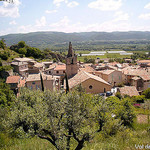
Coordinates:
104 90
90 87
49 72
57 72
33 82
63 71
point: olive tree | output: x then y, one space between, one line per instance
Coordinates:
62 118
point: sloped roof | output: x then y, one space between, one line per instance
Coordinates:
23 59
87 69
129 90
144 61
60 67
82 76
136 78
13 79
36 77
107 71
38 65
144 74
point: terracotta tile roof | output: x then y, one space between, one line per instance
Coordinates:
129 90
23 59
87 69
82 76
60 67
36 77
136 78
144 74
113 63
38 65
107 71
13 79
144 61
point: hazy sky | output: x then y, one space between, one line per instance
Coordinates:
74 15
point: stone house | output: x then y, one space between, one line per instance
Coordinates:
20 67
113 77
143 63
138 77
15 82
92 84
47 64
33 81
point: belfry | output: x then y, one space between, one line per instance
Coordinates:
71 62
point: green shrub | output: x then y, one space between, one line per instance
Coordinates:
147 93
118 94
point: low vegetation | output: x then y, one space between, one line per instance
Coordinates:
76 120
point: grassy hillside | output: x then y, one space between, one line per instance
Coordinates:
56 40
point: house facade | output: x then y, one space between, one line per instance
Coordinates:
113 77
91 83
15 82
20 67
33 82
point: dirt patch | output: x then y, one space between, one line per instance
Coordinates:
142 118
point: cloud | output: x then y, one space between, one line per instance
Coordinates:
58 2
69 4
72 4
50 11
105 5
63 22
145 16
13 22
41 22
121 16
147 6
10 9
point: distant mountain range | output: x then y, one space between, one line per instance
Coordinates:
54 39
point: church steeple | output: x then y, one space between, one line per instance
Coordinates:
70 51
71 62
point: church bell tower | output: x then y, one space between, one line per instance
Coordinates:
71 62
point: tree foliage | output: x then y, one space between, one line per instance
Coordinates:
2 44
147 93
6 95
62 118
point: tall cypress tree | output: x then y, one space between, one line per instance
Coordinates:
67 84
42 84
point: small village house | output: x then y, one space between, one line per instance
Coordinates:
92 84
15 82
33 81
113 77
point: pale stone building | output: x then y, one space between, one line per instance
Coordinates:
34 82
92 84
113 77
